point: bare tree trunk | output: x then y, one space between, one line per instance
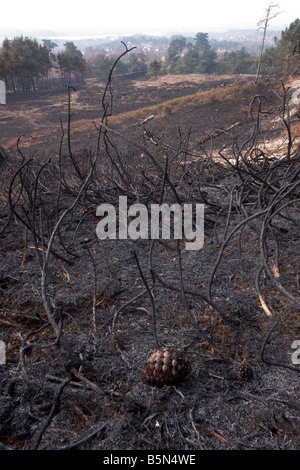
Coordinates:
263 24
261 52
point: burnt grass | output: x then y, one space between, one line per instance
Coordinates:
80 316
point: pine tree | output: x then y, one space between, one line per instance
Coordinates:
71 63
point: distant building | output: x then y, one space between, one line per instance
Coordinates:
2 92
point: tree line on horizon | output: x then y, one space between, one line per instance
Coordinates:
26 65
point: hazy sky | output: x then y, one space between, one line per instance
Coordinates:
118 16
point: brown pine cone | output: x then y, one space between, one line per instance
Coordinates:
245 370
166 367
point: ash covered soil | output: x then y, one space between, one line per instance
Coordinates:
80 316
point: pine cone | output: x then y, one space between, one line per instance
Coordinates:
166 367
245 370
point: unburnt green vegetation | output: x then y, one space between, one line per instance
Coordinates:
26 64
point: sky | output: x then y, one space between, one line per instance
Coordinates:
136 16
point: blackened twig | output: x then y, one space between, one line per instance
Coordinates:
151 298
54 409
83 440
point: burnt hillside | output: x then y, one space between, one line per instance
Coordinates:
80 316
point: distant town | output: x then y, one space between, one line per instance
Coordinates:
221 41
33 62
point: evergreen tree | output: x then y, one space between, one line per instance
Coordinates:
22 62
207 63
102 65
201 42
189 62
283 59
174 52
7 63
236 62
155 67
71 63
136 64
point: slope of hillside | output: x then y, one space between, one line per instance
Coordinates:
80 316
